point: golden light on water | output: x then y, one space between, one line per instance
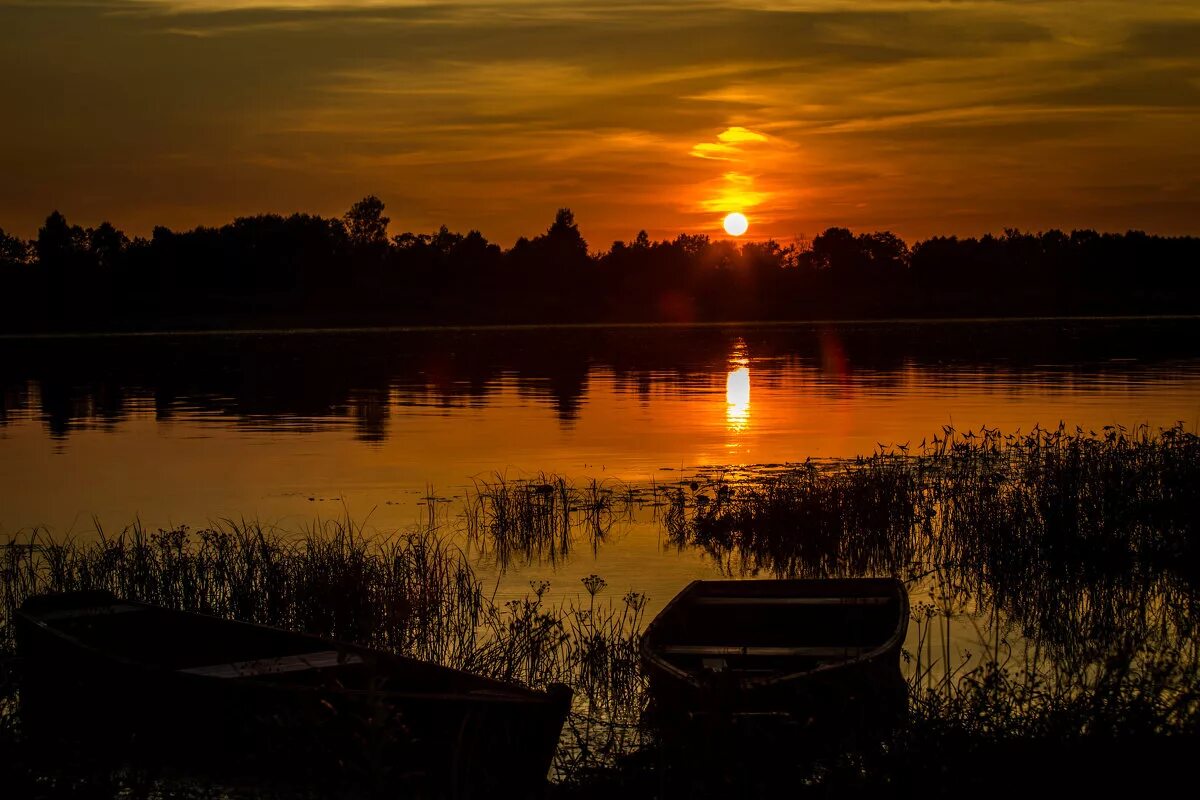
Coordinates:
737 399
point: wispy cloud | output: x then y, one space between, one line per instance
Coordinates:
918 115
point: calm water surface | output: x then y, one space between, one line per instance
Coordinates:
289 427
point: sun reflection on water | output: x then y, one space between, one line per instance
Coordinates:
737 390
737 399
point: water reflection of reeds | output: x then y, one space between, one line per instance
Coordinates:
542 519
854 519
1080 539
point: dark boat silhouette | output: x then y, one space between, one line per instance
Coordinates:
778 646
104 670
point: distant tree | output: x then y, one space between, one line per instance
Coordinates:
945 262
692 245
14 252
833 249
563 240
445 242
106 245
445 248
884 249
475 251
366 226
850 258
59 244
557 257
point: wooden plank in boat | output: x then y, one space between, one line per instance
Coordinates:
89 611
737 650
272 666
792 601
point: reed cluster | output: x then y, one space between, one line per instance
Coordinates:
413 594
1077 536
407 593
542 519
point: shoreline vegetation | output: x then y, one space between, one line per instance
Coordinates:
276 272
1076 551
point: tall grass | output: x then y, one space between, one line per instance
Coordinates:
408 593
541 520
413 594
1076 536
812 521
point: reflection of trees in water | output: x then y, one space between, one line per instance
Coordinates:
327 379
1084 541
369 410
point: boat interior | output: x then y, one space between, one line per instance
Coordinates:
763 629
216 648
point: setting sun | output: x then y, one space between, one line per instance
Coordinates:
736 224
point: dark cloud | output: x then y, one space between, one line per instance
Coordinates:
1175 39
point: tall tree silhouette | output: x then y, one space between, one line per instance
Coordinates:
106 245
366 225
58 244
14 252
563 239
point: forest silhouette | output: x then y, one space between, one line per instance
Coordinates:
272 270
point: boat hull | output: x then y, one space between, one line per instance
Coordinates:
352 718
807 650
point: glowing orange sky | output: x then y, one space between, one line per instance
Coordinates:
918 116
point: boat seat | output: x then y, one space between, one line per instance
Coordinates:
89 611
278 664
792 601
716 650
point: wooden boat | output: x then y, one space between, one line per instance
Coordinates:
101 669
765 646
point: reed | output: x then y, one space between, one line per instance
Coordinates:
413 594
542 519
1076 536
409 593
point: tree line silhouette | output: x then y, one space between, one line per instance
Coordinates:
306 269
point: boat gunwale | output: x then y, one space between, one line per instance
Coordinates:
490 690
650 652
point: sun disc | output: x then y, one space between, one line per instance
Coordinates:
736 224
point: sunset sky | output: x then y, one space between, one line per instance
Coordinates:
919 117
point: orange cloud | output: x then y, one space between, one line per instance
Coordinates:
915 115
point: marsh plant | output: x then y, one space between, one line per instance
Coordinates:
542 519
412 594
1077 536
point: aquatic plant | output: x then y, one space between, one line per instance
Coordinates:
541 519
1075 536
